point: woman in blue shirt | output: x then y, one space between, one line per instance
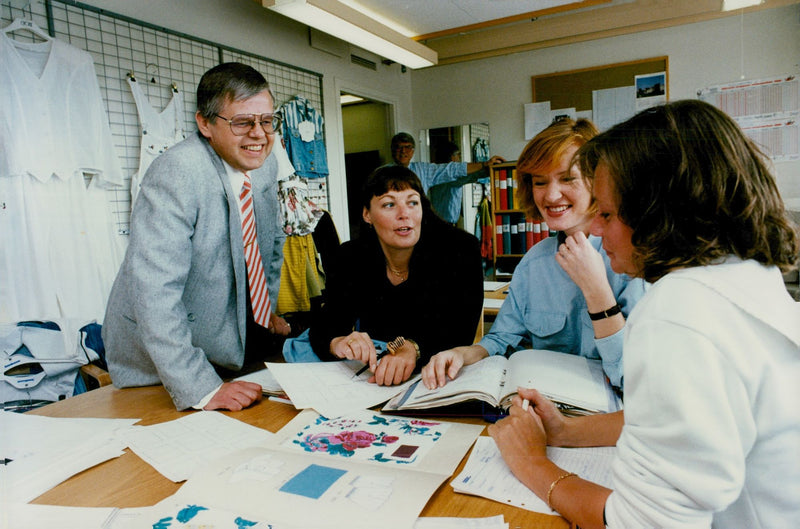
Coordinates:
563 296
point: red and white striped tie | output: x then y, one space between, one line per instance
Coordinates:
259 294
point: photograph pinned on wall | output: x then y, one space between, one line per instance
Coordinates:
651 90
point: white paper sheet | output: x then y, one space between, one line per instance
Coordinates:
177 448
493 286
265 379
170 513
330 387
486 474
44 451
492 303
19 515
432 522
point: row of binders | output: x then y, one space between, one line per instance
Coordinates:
514 234
505 185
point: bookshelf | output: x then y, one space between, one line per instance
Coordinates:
514 233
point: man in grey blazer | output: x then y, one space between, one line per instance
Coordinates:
179 311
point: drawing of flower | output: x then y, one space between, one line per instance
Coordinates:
354 440
343 443
389 439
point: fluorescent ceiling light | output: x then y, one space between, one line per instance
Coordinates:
350 25
347 99
730 5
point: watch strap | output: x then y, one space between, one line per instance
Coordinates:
616 309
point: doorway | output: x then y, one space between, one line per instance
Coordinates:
366 131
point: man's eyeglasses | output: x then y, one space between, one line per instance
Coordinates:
242 124
402 148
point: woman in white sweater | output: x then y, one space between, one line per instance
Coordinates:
711 427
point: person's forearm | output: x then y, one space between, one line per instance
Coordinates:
473 167
471 353
578 500
602 429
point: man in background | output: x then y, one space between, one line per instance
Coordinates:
442 181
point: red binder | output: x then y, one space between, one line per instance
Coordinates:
501 173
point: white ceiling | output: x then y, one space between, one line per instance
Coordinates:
464 30
422 17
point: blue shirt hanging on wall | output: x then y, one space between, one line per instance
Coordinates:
304 134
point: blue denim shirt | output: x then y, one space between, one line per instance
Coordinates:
443 183
545 309
308 157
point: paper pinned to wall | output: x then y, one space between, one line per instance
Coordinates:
537 118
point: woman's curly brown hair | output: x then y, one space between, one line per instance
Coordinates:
693 188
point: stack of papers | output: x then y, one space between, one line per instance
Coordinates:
41 452
334 473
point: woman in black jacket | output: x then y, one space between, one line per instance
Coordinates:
410 275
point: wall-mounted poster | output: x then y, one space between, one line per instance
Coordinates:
651 90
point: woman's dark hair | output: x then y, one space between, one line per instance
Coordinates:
230 81
393 178
543 153
693 188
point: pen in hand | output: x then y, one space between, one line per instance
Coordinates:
377 358
391 347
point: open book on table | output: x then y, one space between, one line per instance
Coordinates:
575 383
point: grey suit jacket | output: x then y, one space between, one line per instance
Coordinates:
178 304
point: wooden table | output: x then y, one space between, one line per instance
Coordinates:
127 481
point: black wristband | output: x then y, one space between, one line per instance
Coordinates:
605 313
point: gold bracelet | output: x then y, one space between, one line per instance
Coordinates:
555 482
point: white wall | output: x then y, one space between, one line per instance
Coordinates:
490 90
702 54
245 25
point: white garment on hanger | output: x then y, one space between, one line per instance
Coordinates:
160 130
54 121
59 249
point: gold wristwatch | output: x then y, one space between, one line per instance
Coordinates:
416 347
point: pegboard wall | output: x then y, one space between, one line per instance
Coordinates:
478 131
157 57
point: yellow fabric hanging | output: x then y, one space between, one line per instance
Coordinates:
300 278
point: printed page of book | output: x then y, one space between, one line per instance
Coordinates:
482 380
562 377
